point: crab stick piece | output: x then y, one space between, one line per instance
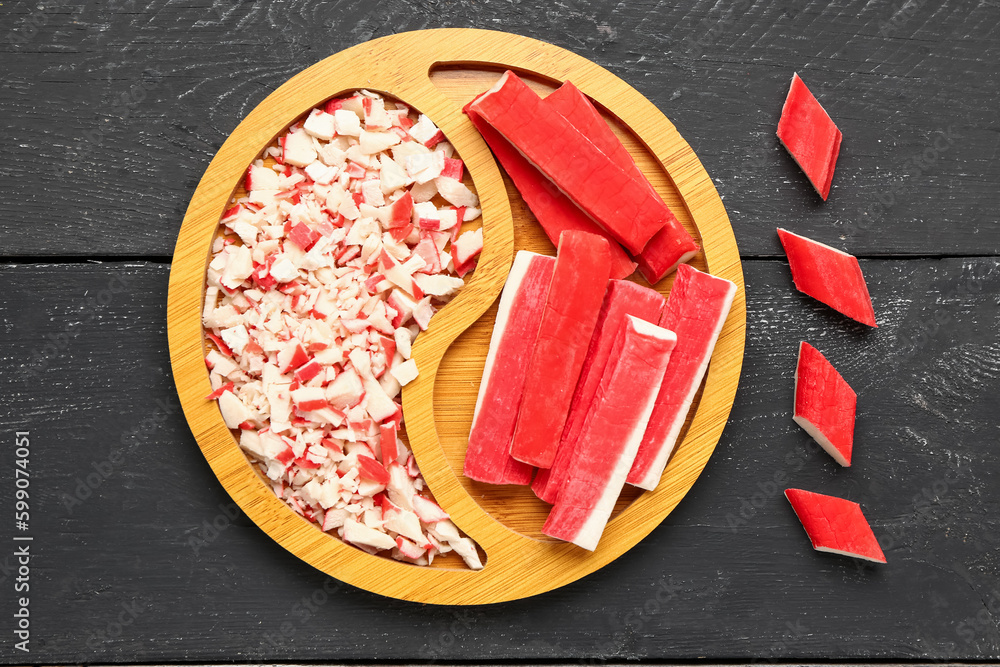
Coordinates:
835 525
623 299
672 245
611 434
519 316
828 275
810 136
696 310
579 280
626 208
824 404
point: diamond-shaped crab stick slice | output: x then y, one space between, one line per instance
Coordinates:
579 280
622 299
611 434
696 310
810 135
621 205
555 211
519 316
828 275
672 245
835 525
824 404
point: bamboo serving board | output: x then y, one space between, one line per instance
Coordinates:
437 72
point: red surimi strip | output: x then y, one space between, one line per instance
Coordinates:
672 245
519 316
579 280
612 433
555 211
835 525
810 135
621 205
623 298
696 310
824 404
828 275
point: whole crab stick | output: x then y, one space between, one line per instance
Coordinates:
555 211
579 280
611 434
623 299
835 525
624 207
828 275
824 404
672 245
696 310
810 135
519 317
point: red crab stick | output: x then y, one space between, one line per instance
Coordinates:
623 298
579 281
611 434
696 310
621 205
555 211
835 525
672 245
828 275
824 404
809 134
519 316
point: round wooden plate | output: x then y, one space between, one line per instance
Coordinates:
436 72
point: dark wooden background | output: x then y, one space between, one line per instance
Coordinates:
111 112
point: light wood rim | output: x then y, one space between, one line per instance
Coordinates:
399 65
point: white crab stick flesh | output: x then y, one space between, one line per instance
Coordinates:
579 281
611 434
519 316
623 298
696 310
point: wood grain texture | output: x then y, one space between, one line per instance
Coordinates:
517 563
126 160
925 471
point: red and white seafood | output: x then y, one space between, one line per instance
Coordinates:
825 404
623 298
611 434
697 308
519 316
573 302
835 525
810 135
828 275
346 242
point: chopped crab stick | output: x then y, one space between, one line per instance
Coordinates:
672 245
810 135
621 205
555 211
519 316
611 435
835 525
696 310
579 280
824 404
828 275
623 299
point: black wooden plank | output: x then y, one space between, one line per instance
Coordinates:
116 576
112 110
